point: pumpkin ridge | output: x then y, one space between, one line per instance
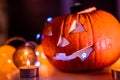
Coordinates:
78 46
90 43
93 40
90 18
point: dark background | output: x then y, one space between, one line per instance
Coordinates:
27 17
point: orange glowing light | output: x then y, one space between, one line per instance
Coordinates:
26 52
43 55
9 61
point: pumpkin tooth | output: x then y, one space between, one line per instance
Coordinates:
88 10
62 42
83 54
76 27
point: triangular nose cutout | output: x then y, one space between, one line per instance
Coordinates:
62 42
49 32
76 27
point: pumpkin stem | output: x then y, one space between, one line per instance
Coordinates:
89 10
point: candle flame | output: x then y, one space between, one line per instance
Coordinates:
28 63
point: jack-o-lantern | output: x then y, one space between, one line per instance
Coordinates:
86 40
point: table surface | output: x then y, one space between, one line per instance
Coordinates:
48 72
54 74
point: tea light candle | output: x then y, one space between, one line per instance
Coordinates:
29 71
115 73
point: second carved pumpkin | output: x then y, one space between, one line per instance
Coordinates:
87 40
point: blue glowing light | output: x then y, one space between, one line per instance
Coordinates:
38 36
37 53
84 55
49 19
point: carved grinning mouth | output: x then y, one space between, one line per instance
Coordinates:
83 54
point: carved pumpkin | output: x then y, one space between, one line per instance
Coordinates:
87 40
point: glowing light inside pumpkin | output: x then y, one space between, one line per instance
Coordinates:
62 42
49 19
82 54
37 63
76 27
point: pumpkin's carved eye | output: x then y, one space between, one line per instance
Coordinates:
62 42
76 27
83 54
48 32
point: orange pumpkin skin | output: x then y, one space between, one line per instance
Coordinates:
101 31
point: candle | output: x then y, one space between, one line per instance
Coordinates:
29 71
115 73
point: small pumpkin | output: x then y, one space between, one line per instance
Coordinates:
83 41
7 66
